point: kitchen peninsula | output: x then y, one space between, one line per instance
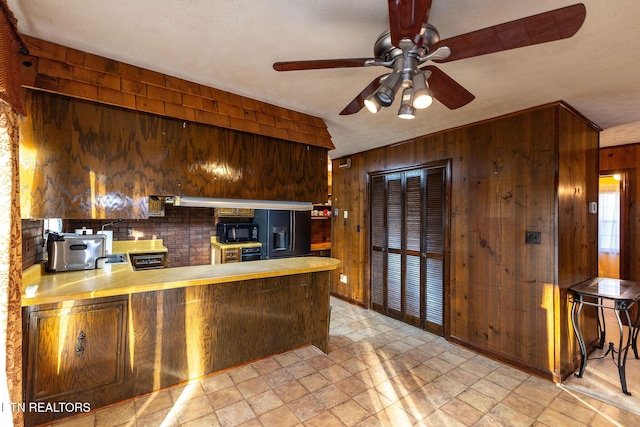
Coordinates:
102 336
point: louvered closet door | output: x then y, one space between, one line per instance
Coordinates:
433 254
407 246
378 243
414 202
394 245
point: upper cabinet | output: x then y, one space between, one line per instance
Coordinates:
81 159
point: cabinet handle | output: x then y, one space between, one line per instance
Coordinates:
80 344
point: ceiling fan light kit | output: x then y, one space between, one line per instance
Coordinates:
372 104
411 42
387 92
406 110
422 95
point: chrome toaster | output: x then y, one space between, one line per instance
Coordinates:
68 252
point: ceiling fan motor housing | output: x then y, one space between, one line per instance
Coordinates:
383 50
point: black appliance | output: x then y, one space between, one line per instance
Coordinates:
236 232
148 261
251 254
284 233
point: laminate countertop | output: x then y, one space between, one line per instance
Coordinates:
120 279
215 242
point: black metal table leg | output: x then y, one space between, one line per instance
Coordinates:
623 350
576 307
602 325
633 331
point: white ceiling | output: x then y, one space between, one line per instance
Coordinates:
232 44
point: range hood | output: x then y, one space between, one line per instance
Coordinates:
206 202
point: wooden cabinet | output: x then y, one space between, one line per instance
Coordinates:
226 255
86 160
101 351
234 212
74 352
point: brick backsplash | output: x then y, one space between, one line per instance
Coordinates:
186 232
32 242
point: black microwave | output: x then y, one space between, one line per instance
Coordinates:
237 232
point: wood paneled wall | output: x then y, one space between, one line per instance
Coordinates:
529 171
60 69
85 160
577 248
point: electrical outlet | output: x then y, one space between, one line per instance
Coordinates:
532 237
343 278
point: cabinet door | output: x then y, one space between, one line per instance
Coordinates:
245 212
75 352
231 255
225 212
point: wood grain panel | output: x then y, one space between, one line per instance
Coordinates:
578 247
181 334
349 196
75 353
205 159
251 327
103 156
45 143
235 165
505 297
621 157
160 146
147 341
87 160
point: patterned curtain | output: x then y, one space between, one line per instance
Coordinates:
10 44
11 104
10 269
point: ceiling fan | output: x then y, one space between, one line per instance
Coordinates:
411 42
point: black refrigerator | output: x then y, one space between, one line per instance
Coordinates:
283 233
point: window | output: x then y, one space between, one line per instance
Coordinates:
609 217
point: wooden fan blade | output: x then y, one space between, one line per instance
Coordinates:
358 102
545 27
446 90
406 18
320 64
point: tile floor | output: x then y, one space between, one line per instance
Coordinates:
379 372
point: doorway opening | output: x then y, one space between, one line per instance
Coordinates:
613 226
